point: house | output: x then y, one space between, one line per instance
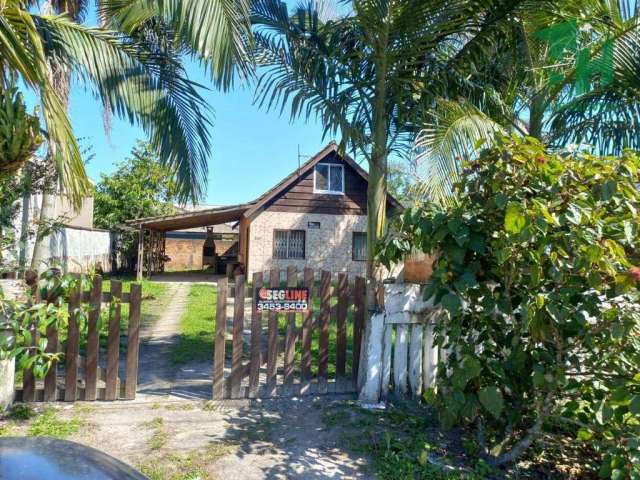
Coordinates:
316 217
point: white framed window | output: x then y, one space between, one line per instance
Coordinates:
328 178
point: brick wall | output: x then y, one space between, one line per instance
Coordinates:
328 247
185 254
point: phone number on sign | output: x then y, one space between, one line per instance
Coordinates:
298 306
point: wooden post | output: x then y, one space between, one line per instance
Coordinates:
73 346
323 341
291 335
307 327
238 326
133 342
272 343
341 337
113 341
140 265
219 346
93 339
256 334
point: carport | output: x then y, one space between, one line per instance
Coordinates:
152 233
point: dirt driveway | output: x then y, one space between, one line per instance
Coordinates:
236 440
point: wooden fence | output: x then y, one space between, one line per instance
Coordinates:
286 354
81 377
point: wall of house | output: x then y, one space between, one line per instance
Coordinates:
328 247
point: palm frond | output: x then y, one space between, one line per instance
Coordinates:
23 51
449 139
141 87
217 32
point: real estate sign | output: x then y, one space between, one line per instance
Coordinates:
282 299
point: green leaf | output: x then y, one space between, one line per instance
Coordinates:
634 405
491 399
603 413
514 219
452 303
584 435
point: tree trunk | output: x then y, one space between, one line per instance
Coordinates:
24 230
38 260
376 195
60 80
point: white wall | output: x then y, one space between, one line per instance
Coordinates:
75 250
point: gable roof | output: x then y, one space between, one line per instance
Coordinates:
277 189
231 213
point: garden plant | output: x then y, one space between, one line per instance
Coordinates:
536 276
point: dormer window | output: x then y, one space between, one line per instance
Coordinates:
329 178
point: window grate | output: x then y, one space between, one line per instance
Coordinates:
289 244
359 247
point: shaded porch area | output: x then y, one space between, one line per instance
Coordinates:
152 242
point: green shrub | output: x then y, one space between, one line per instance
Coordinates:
536 278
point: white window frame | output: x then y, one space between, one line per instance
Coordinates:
330 192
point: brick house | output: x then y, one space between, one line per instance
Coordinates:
316 217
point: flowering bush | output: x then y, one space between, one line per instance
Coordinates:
536 276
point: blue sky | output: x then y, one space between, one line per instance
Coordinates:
252 149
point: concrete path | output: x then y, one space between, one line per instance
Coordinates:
250 440
157 374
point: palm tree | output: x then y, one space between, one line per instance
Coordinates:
134 66
567 75
369 74
135 80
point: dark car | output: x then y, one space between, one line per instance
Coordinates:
38 458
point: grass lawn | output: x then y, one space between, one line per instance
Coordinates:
197 326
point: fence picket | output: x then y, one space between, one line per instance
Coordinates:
238 325
387 347
219 346
341 334
133 342
272 346
50 379
429 358
256 334
73 346
28 377
307 330
93 339
291 335
358 324
113 341
323 321
400 358
415 360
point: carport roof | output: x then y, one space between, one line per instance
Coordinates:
198 218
